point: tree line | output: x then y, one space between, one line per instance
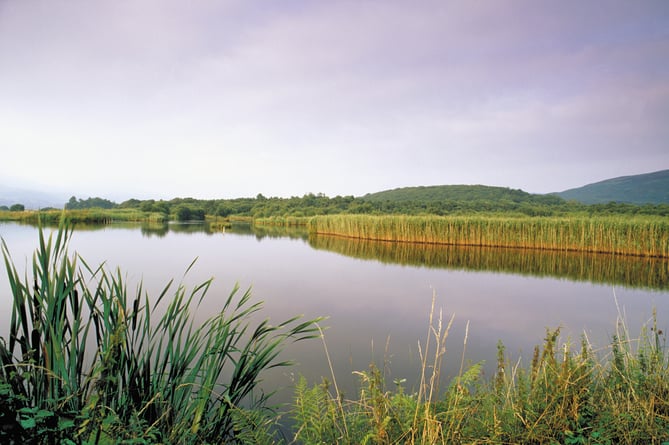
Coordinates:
310 204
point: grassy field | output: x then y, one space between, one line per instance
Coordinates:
642 236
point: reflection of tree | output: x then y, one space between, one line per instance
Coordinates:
597 268
159 230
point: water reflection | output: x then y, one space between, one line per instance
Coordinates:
160 230
635 272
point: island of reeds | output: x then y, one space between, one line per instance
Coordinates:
639 235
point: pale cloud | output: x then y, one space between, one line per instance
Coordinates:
344 97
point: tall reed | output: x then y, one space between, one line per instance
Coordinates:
90 216
86 361
643 236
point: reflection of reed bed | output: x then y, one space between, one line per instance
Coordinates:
599 268
638 235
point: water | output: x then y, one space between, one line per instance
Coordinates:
377 297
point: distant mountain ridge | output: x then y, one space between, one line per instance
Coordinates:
647 188
31 199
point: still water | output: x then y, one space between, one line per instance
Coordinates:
377 296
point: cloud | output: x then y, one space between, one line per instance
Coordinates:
341 97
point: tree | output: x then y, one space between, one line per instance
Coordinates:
72 203
17 208
183 213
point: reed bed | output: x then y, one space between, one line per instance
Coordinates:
641 236
283 221
86 216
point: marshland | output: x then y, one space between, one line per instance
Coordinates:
528 338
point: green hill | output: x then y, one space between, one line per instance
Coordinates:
649 188
460 193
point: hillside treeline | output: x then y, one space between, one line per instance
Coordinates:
310 205
432 200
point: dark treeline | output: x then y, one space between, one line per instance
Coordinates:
90 203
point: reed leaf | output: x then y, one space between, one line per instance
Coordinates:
87 360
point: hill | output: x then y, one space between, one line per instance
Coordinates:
649 188
460 193
31 199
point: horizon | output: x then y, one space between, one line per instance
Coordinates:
43 197
224 99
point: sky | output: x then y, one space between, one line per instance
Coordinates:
156 99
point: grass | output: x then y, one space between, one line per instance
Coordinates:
283 221
90 216
563 395
639 235
86 361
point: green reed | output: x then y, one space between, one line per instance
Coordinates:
87 361
639 235
88 216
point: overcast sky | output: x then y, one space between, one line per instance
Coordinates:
225 99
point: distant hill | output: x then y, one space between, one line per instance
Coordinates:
31 199
649 188
460 193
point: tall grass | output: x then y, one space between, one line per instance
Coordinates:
563 394
91 216
87 361
643 236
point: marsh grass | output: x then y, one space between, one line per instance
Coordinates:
88 216
87 361
283 221
562 394
638 235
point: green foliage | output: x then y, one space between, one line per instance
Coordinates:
317 413
90 203
85 361
17 208
461 193
561 396
185 212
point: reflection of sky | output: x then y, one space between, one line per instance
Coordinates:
367 302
